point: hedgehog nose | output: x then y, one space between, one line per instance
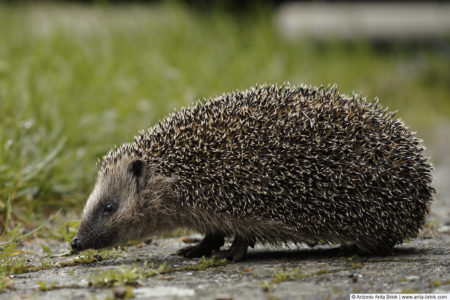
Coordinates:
75 244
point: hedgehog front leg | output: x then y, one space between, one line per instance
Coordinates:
211 242
237 251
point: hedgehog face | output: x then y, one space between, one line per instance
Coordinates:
118 208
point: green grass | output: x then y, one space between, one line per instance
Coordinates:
75 80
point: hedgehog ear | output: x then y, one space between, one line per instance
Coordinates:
136 167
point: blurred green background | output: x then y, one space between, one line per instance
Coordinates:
77 79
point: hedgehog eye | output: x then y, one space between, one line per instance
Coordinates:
109 208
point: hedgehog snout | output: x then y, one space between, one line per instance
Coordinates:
76 244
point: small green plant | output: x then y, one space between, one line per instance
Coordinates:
280 277
205 263
291 275
5 282
46 249
356 265
65 231
8 248
294 274
437 283
124 275
45 264
90 256
10 263
125 292
13 265
432 224
44 286
322 271
266 286
128 293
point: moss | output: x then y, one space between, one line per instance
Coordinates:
297 274
9 262
204 264
66 231
280 277
128 293
5 282
356 265
91 256
437 283
126 276
12 265
123 275
353 257
44 286
45 264
265 285
322 271
288 276
432 224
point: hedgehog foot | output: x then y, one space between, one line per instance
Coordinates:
211 242
237 251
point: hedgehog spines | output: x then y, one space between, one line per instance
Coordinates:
302 163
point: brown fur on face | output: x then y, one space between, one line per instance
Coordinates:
137 194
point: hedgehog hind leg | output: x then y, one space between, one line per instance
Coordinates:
237 251
211 242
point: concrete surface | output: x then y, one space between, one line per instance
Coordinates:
420 266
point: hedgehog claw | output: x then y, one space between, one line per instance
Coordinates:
237 251
210 243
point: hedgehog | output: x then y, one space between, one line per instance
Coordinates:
271 164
